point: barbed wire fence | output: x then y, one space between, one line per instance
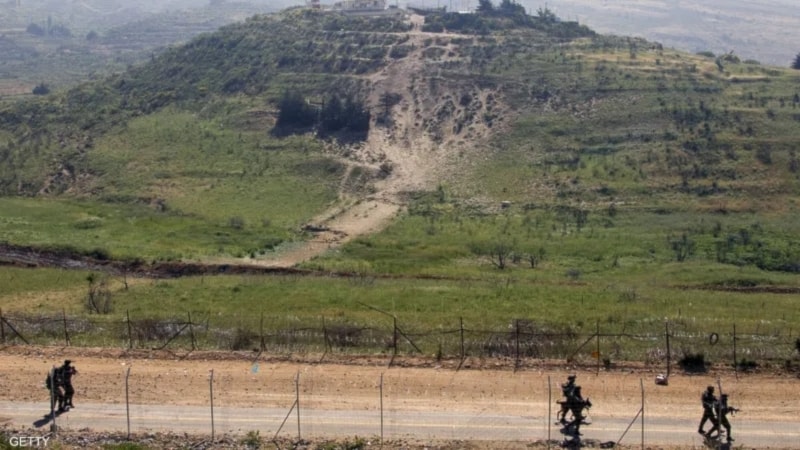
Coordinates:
521 342
530 417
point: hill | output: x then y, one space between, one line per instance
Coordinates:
60 44
497 168
526 109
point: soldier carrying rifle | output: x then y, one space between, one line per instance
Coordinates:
723 409
709 401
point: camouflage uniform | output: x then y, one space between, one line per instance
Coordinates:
68 371
576 405
568 390
709 401
55 384
723 410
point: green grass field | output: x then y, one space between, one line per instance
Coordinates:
645 186
172 186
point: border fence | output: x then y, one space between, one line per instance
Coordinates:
303 402
674 344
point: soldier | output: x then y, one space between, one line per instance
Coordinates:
55 384
576 405
67 371
723 409
709 401
567 389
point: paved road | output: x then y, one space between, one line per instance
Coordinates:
397 424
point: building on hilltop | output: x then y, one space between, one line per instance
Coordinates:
360 6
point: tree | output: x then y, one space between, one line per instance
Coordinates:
41 89
35 29
295 112
332 116
546 15
357 115
485 7
796 63
511 8
98 300
498 252
682 246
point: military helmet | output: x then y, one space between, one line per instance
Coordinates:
710 389
572 377
67 362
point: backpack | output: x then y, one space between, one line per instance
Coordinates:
48 382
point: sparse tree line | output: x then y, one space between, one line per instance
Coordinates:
50 29
507 14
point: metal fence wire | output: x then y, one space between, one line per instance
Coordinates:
670 344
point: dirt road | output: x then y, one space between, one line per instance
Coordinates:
413 425
483 403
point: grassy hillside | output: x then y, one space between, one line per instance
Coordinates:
637 183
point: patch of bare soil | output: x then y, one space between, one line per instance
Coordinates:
416 142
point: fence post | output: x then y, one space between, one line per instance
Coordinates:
463 355
53 426
735 364
597 351
211 396
297 402
549 409
669 352
130 333
66 333
191 330
394 337
516 344
381 394
127 401
641 382
4 320
326 338
2 327
262 344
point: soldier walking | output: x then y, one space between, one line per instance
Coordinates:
576 406
709 401
723 409
567 390
55 384
67 371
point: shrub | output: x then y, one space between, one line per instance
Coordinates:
693 363
236 222
41 89
35 29
252 440
243 339
573 274
746 365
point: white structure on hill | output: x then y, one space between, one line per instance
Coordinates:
359 6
